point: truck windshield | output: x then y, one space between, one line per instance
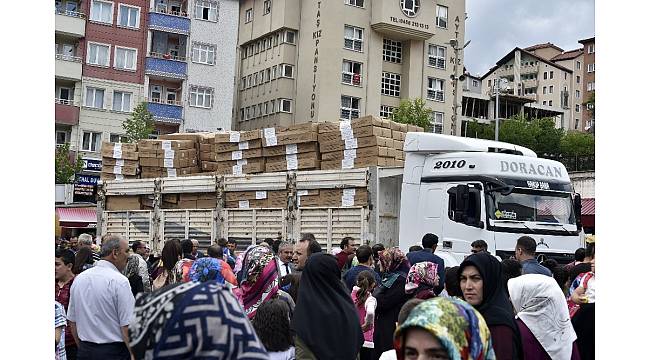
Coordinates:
537 206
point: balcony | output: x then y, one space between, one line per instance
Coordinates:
351 79
166 111
65 112
169 21
166 66
67 67
388 19
529 69
70 23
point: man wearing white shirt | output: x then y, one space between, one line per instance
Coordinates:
101 305
285 253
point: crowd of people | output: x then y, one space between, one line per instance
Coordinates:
282 301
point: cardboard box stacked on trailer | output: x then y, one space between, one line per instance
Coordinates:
168 158
257 199
295 148
234 152
119 161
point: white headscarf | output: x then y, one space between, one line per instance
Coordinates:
540 304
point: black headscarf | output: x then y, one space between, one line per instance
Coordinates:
495 308
325 318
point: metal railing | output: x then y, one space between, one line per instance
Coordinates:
165 101
170 12
63 101
167 56
70 13
576 163
351 78
68 58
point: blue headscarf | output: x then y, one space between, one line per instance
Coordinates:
206 269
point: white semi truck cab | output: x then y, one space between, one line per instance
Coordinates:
465 189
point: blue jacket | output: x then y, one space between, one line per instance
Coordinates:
350 277
415 257
531 266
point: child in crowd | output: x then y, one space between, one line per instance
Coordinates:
366 305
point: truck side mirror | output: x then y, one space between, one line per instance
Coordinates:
577 209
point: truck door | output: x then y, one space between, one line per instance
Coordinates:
459 231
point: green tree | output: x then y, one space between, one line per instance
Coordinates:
65 166
139 125
413 112
576 143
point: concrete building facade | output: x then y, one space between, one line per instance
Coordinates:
311 61
589 83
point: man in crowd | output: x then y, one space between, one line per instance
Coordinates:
101 305
228 253
578 258
188 247
73 244
304 249
232 246
63 278
429 244
364 256
348 248
195 249
525 254
285 253
479 246
87 241
140 249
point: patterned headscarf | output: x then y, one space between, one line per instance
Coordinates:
206 269
460 329
391 259
259 279
192 320
422 276
131 266
240 261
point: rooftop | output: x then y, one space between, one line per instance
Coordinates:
571 54
543 46
588 40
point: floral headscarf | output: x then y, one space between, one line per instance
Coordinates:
240 261
206 269
259 279
391 259
131 266
423 276
460 329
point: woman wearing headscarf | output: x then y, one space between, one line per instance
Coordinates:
482 284
326 321
390 295
131 273
448 328
543 318
259 280
421 280
204 316
208 268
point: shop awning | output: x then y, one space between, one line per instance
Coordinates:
589 206
77 215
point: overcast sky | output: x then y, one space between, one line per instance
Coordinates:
497 26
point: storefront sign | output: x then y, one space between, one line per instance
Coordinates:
92 165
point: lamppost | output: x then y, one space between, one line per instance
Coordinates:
455 78
500 84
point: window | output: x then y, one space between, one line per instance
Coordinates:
386 111
201 97
544 102
250 81
263 45
550 89
91 141
267 7
98 54
276 39
125 58
206 10
577 124
590 106
95 98
578 79
61 137
590 49
410 7
545 75
578 65
101 11
243 83
268 42
203 53
353 38
544 90
268 75
117 138
475 83
591 86
550 75
274 72
392 51
390 84
437 56
65 93
577 108
437 122
436 89
577 94
248 113
441 16
249 15
290 37
550 103
286 70
128 16
272 107
285 105
351 73
121 101
357 3
255 79
349 107
591 68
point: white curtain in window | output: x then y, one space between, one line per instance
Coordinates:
102 55
92 54
210 55
99 98
86 141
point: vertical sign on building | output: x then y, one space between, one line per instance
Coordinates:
456 61
316 35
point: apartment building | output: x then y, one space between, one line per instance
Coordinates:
311 61
589 83
543 81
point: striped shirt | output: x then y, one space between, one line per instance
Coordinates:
59 321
